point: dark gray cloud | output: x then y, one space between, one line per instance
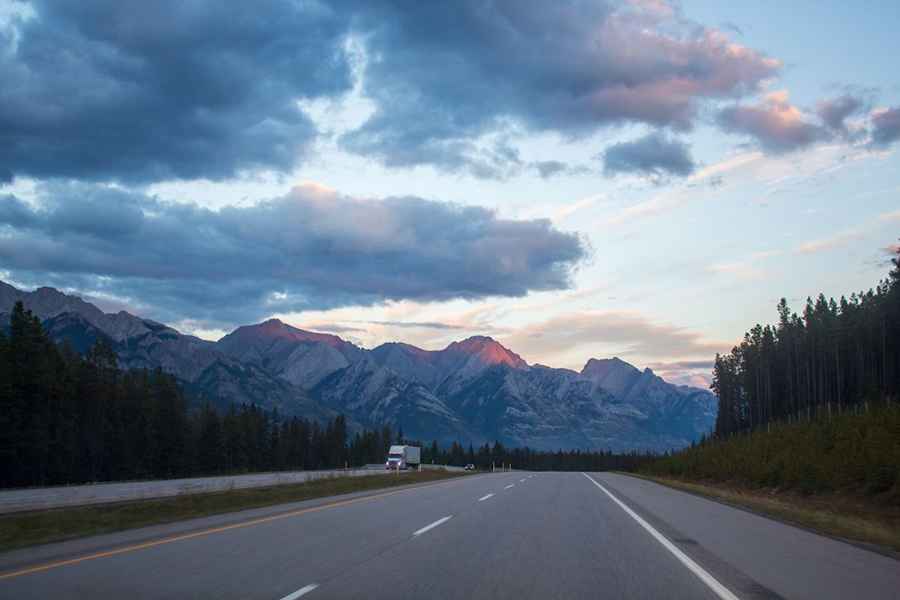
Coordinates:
776 125
309 249
653 155
15 213
146 91
886 127
443 74
141 92
549 168
834 111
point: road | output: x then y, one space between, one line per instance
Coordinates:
504 535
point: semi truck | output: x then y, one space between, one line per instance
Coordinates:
403 457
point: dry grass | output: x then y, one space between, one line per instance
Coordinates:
40 527
851 517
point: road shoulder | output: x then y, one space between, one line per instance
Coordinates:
879 535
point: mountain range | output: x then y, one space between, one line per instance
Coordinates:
472 391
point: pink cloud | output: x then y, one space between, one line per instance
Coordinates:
775 123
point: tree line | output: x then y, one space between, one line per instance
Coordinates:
835 357
496 455
68 418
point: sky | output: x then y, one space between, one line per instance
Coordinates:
642 179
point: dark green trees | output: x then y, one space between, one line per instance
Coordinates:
65 418
837 355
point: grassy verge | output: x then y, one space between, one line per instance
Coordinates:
28 529
841 515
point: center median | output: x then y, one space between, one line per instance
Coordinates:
27 529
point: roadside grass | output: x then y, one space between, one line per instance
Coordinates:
19 530
847 516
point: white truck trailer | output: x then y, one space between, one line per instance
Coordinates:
403 457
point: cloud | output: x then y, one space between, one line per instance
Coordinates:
747 268
830 243
549 168
684 364
885 127
776 124
312 248
167 90
14 212
151 91
418 325
444 75
653 155
332 328
695 373
834 111
573 338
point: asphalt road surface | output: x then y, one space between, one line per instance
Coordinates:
506 535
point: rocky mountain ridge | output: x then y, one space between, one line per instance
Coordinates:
473 391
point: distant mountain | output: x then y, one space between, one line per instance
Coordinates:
473 391
450 367
205 371
300 357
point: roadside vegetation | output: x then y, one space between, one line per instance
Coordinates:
809 420
40 527
848 453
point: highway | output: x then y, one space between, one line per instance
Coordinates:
504 535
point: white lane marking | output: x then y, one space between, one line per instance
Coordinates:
509 486
483 498
433 525
720 590
522 480
302 591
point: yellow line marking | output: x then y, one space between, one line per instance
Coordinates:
196 534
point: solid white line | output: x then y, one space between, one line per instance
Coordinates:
432 526
483 498
509 486
304 590
720 590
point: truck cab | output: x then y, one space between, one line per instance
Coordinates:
402 458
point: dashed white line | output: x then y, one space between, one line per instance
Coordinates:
433 525
720 590
483 498
302 591
522 480
509 486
